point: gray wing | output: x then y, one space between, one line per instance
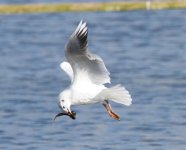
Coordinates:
82 60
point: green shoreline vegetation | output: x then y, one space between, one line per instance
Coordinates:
83 7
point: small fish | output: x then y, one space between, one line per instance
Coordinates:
71 115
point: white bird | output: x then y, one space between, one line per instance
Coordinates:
88 75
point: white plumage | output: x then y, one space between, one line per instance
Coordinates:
88 75
66 67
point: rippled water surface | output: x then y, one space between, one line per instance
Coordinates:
144 50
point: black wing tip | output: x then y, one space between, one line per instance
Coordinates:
82 33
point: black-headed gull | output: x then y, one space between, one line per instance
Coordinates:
88 75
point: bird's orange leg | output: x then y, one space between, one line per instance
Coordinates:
110 111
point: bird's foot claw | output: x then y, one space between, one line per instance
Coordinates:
114 115
110 111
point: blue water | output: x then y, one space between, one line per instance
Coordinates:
144 50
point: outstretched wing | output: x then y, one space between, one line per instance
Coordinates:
66 67
82 60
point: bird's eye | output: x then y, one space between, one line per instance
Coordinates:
62 100
63 107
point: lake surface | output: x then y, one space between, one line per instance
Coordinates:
144 50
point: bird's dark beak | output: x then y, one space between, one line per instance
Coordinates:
72 114
69 111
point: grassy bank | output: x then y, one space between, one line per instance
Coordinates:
80 7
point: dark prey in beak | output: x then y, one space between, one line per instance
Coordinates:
71 115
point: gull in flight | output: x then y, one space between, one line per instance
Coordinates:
88 75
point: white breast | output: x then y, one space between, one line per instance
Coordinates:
85 93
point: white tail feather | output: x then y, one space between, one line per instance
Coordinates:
117 94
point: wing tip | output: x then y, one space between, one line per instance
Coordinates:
82 33
82 29
82 25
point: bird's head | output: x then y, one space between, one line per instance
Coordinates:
64 104
65 101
